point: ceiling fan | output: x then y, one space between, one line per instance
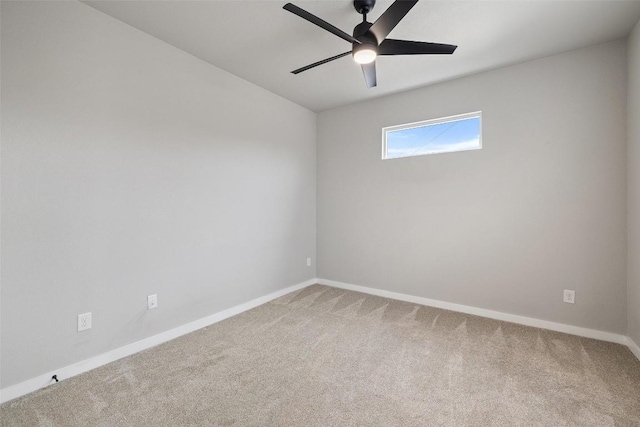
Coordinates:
369 40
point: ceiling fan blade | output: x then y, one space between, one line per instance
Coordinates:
369 71
319 22
390 18
315 64
407 47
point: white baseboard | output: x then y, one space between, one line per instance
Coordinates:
513 318
33 384
635 349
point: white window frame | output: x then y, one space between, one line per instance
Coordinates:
431 122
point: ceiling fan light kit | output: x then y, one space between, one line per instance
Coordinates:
364 53
370 40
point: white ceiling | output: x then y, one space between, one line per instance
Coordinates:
260 42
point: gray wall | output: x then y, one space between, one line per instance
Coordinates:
633 266
131 168
541 208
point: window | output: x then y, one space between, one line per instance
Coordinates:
445 135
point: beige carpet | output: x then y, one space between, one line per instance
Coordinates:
328 357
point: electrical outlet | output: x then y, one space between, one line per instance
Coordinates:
569 296
152 301
308 262
84 322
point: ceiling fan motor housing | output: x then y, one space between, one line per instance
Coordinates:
367 40
362 33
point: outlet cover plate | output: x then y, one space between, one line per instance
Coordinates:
152 301
84 321
569 296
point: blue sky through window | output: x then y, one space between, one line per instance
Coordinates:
456 135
